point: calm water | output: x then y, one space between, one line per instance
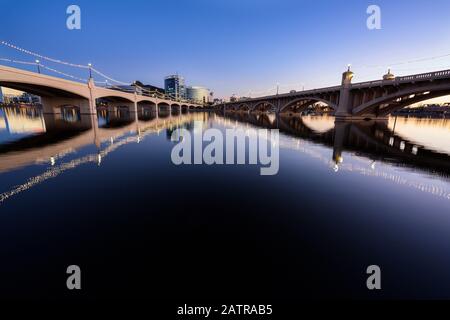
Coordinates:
102 193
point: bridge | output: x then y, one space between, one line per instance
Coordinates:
57 93
366 100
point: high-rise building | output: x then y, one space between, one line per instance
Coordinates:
175 87
198 94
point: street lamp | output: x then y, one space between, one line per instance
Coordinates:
90 70
38 66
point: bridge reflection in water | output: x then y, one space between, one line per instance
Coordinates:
374 140
102 191
52 136
46 137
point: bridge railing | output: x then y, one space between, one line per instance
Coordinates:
284 95
412 78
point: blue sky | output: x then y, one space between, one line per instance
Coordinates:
231 46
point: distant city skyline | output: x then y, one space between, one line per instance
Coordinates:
237 47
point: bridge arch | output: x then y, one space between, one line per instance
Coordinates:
398 100
45 91
115 97
263 106
244 107
146 99
307 102
41 85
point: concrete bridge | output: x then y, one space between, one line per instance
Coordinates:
57 93
366 100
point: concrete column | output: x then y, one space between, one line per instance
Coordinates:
53 105
344 109
92 104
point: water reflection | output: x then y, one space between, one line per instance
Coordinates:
101 190
374 140
432 134
17 122
48 138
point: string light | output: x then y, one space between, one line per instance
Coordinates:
63 73
17 61
41 56
89 66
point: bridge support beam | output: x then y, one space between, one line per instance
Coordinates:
348 101
344 109
55 122
54 104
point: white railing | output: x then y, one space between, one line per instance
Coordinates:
412 78
284 95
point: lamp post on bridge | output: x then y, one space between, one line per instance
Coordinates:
38 63
91 86
90 70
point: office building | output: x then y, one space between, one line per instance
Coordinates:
198 94
175 87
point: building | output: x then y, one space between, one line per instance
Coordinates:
198 94
1 95
148 88
129 88
24 98
175 87
141 89
29 98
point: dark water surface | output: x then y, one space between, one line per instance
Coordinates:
102 193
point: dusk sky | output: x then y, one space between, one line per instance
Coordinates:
231 46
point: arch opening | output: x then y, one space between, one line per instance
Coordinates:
384 106
311 105
42 91
264 106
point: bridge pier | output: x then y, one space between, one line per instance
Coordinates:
344 108
117 107
53 105
147 111
56 122
348 101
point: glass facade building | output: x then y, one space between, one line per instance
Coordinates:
175 87
198 94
